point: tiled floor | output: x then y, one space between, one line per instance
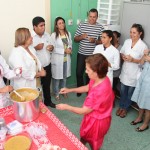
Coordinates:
121 136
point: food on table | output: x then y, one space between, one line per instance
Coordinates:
19 142
28 94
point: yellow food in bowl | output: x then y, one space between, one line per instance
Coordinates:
19 142
27 94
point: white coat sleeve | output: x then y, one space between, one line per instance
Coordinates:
19 59
116 63
7 72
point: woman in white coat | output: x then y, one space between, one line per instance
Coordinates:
61 60
131 53
109 51
4 90
24 56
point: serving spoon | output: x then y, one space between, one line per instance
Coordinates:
21 97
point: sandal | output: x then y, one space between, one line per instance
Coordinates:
134 123
65 96
141 130
123 113
118 112
57 98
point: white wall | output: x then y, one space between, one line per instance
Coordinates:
19 13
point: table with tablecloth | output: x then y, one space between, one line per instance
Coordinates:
56 132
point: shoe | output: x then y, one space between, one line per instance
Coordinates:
51 105
134 123
123 114
65 96
141 130
79 94
118 112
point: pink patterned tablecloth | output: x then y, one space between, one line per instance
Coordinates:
56 132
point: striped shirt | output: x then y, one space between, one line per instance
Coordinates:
94 31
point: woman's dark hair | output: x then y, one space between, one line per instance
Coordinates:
99 64
117 34
110 35
139 29
55 26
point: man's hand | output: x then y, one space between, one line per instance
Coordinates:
39 46
50 47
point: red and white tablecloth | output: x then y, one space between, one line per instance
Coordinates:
56 132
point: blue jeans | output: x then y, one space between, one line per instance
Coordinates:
125 96
57 84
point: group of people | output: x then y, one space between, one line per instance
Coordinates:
40 57
124 65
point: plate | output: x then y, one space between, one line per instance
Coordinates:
18 142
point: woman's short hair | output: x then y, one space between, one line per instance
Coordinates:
99 64
21 36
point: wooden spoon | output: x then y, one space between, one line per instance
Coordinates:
21 97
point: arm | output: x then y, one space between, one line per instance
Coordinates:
81 111
81 89
6 89
116 62
7 73
41 73
80 37
21 60
129 58
145 56
68 50
39 46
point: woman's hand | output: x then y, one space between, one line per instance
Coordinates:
41 73
68 51
147 58
64 91
146 52
6 89
62 106
129 58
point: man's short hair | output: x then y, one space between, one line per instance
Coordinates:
94 10
37 20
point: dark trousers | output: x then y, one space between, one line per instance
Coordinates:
46 82
80 70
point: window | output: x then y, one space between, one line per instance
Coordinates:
109 11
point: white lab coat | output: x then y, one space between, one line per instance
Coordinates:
113 57
131 70
19 57
57 59
7 73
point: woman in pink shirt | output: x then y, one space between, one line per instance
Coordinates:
98 104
